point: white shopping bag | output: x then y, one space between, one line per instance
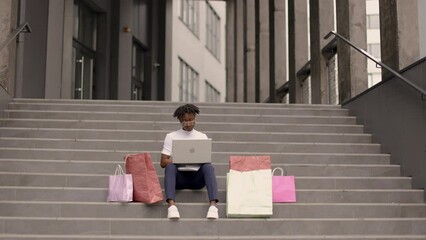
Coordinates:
249 194
120 187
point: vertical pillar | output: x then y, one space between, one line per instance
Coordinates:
168 66
230 55
125 50
272 87
239 51
297 45
19 59
250 55
280 40
34 50
67 72
7 52
264 50
54 49
257 50
158 40
422 28
351 23
399 33
321 22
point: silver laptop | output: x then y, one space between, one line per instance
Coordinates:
192 151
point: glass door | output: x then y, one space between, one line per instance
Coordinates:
84 49
138 73
83 75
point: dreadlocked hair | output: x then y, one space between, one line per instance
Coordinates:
187 108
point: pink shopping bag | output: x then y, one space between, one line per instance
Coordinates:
283 187
249 163
120 188
146 186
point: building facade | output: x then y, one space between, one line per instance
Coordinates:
373 40
195 51
300 66
185 50
107 49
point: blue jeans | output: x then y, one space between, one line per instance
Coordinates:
204 177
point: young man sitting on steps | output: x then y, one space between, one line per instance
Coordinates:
175 179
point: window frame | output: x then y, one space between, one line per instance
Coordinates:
212 30
189 15
212 94
188 82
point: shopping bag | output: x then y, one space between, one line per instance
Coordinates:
146 186
283 187
249 194
120 187
249 163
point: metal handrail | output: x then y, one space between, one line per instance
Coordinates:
25 28
405 80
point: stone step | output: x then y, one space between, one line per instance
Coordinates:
198 210
134 116
198 237
56 155
85 167
173 125
159 135
217 157
217 146
169 109
91 180
66 102
65 194
221 227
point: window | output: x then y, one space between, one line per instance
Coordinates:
212 94
306 91
212 31
333 84
188 84
141 20
85 21
189 14
374 49
373 21
138 71
374 78
84 51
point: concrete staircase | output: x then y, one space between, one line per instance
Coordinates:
56 155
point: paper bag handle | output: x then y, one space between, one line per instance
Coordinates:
283 172
119 170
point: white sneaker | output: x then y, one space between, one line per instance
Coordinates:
173 212
212 213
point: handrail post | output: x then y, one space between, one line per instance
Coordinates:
24 28
362 51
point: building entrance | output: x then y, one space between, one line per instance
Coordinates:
83 80
84 50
